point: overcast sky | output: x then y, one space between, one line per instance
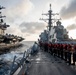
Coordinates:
23 16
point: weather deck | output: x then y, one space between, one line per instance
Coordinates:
44 63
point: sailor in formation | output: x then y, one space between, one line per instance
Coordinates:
63 51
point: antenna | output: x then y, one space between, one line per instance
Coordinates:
2 24
50 6
1 7
49 14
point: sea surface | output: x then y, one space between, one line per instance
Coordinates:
6 59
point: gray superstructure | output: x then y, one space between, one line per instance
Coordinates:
55 32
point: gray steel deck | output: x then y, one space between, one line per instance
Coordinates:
45 64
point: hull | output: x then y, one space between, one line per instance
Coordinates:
7 47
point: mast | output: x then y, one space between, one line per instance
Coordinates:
50 18
49 14
1 17
3 25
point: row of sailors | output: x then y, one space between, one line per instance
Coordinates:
64 51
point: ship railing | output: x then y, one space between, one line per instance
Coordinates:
16 64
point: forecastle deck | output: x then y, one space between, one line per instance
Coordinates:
44 63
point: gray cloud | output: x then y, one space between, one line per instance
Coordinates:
32 27
17 10
14 30
27 29
69 11
71 27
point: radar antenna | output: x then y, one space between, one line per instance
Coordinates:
49 14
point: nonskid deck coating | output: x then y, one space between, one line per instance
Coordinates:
45 64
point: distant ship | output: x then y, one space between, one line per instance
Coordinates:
7 41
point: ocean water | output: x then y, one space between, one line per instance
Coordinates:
6 59
16 51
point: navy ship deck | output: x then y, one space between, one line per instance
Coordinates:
44 63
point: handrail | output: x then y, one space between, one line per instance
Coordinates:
15 64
